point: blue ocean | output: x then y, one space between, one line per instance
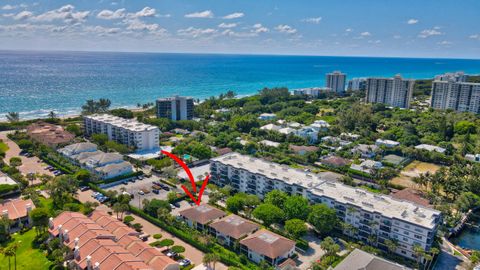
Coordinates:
34 83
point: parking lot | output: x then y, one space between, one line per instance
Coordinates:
143 186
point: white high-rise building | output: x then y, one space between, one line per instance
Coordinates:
175 108
394 92
356 84
372 216
458 76
125 131
336 81
458 96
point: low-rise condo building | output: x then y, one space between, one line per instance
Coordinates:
267 246
101 242
49 134
361 260
198 217
232 228
430 148
17 211
125 131
104 165
374 216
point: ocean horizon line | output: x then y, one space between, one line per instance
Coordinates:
237 54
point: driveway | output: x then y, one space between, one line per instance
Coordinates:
29 164
190 253
314 253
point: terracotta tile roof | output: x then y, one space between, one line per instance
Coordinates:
49 134
16 208
301 148
268 243
335 161
202 214
112 246
412 195
234 226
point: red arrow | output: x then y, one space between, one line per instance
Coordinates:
190 176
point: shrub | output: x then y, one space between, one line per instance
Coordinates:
128 219
178 249
5 188
138 227
157 236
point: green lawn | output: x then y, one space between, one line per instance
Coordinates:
27 256
3 147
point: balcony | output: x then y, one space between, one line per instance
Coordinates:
385 228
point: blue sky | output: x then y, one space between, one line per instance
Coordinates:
420 28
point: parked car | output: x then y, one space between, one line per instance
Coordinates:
141 192
185 262
156 191
165 187
172 206
83 188
171 254
95 194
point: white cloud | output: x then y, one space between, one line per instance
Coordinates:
348 30
227 25
429 32
8 7
475 36
139 25
23 15
202 14
196 32
66 13
444 43
412 21
259 28
102 30
397 37
315 20
365 34
375 41
283 28
111 15
235 15
145 12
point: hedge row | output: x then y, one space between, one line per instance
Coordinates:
56 165
120 177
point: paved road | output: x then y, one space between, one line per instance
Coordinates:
29 164
191 252
447 261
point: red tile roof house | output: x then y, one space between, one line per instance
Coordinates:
267 246
232 228
198 217
100 242
17 210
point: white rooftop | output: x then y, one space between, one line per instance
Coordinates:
429 147
130 124
383 204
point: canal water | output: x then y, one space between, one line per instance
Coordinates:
469 238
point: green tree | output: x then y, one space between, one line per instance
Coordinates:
166 243
100 139
296 207
74 129
15 161
151 207
13 117
122 112
467 200
236 202
61 189
268 214
83 175
40 218
329 245
276 197
323 218
465 127
296 228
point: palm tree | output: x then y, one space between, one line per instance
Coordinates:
419 253
90 107
210 259
14 248
52 115
104 104
13 117
392 245
8 252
